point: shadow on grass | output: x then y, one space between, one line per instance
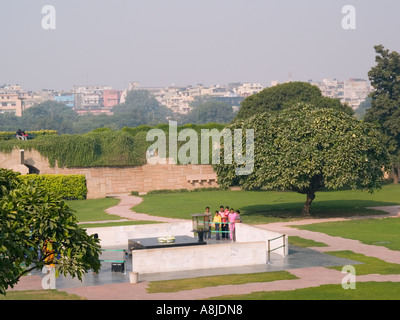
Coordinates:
319 209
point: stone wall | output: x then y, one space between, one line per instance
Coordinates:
250 247
103 181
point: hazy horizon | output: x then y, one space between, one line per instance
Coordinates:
159 43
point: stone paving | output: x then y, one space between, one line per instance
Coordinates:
307 277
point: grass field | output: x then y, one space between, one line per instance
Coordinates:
93 210
269 206
364 291
380 232
229 279
39 295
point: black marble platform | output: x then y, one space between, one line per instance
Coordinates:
152 243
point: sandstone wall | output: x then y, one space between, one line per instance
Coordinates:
103 181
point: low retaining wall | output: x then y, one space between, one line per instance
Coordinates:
103 181
250 247
199 257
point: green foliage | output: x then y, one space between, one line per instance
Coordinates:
385 110
68 187
213 111
107 148
30 217
306 149
101 147
286 95
6 135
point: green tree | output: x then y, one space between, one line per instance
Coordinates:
30 219
50 115
385 104
140 107
305 149
211 111
286 95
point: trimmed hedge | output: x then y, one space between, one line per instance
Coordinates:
69 187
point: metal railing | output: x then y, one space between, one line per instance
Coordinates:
269 246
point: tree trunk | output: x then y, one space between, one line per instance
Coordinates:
396 174
307 206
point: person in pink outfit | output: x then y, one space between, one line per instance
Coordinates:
232 219
224 219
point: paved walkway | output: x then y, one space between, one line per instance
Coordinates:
127 201
307 277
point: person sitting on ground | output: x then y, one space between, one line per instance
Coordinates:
21 135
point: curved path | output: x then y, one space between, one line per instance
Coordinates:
307 277
127 202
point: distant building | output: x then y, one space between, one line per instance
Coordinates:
111 98
67 98
248 89
352 91
10 103
89 99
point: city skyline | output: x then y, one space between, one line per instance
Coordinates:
160 43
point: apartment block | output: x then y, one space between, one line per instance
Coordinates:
352 91
89 99
10 103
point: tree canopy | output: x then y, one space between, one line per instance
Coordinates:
211 111
305 149
284 96
385 104
37 229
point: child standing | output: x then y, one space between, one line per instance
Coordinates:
217 223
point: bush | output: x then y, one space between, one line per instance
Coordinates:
69 187
7 135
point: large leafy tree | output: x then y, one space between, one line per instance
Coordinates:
385 104
32 220
305 149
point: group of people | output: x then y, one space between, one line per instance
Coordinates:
224 222
21 135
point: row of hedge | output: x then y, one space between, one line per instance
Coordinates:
7 135
99 148
69 187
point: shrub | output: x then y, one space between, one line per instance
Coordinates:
69 187
7 135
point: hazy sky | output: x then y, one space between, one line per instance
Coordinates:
160 42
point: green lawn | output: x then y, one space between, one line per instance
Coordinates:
40 295
269 206
369 265
229 279
93 210
380 232
363 291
